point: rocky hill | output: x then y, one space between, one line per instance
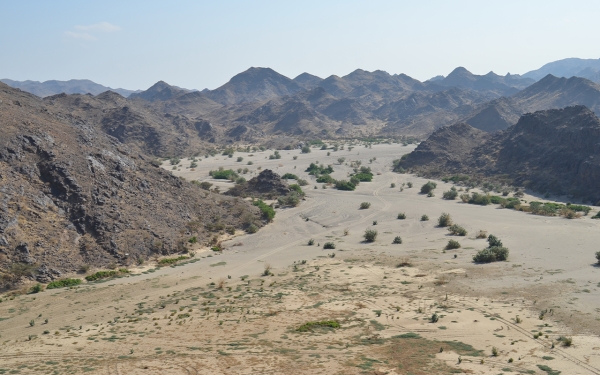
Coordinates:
491 82
571 67
267 185
73 86
556 151
160 91
71 195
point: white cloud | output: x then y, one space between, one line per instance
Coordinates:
103 27
80 36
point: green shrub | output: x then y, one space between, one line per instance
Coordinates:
63 283
239 159
311 242
252 229
494 241
240 180
297 189
491 254
370 235
457 230
329 245
106 274
302 182
365 205
397 240
598 256
444 220
169 261
36 288
401 216
409 185
450 194
344 185
428 187
223 174
267 211
323 324
305 150
315 169
364 177
325 179
480 199
424 218
289 176
452 244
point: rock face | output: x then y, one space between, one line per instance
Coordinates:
71 195
267 185
555 151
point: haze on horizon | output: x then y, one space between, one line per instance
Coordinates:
203 44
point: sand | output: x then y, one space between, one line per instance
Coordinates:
171 320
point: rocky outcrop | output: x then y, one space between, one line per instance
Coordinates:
267 185
556 151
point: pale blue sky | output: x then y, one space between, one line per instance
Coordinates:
197 44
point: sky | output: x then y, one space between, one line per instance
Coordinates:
201 44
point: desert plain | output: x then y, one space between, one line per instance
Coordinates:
270 303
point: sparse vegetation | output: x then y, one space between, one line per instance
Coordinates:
329 245
424 218
365 205
401 216
267 211
397 240
223 174
289 176
450 194
107 274
494 253
311 242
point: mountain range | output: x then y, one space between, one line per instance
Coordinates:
73 86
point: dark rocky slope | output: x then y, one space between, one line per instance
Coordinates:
555 151
267 185
72 195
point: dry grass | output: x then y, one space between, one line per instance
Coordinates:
404 262
482 234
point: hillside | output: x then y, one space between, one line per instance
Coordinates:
554 151
73 86
72 196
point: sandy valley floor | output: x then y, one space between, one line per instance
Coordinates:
218 315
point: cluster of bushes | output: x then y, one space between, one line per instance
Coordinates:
317 170
63 283
223 174
323 324
106 274
456 178
495 252
267 211
363 174
275 155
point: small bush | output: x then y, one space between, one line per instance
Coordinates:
311 242
444 220
305 150
370 235
240 159
63 283
481 234
36 288
494 241
401 216
428 187
240 180
434 318
450 194
252 229
598 256
494 351
267 211
409 185
424 218
329 245
302 182
567 341
397 240
457 230
365 205
344 185
392 185
491 254
452 244
289 176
